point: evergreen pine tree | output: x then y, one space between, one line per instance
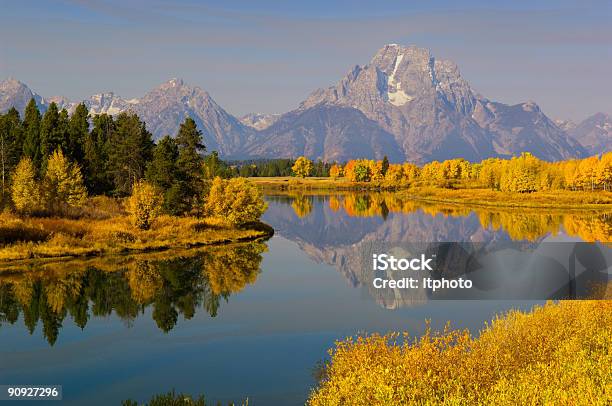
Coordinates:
189 162
31 127
11 140
16 127
95 155
385 165
161 171
130 148
52 132
213 166
78 130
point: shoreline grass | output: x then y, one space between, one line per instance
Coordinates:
567 200
558 199
312 183
32 238
110 262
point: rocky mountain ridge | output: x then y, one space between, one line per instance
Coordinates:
433 112
163 109
404 103
594 133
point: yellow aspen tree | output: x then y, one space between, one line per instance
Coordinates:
25 190
587 171
63 184
236 201
303 167
604 171
144 205
411 171
376 170
335 171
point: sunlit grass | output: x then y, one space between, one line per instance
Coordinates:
103 228
487 197
461 193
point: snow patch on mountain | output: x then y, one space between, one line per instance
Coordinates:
397 96
259 121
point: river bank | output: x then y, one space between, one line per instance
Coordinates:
472 196
38 238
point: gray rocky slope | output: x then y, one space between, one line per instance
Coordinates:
433 113
594 133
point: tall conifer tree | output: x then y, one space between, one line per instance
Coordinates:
78 130
11 144
190 160
130 149
31 127
95 155
52 132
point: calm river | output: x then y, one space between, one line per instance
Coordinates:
250 321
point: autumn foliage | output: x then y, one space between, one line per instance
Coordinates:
144 204
523 174
336 171
303 167
236 201
557 354
25 190
63 184
61 187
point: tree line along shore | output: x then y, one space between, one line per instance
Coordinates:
523 181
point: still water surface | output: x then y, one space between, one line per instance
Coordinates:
236 322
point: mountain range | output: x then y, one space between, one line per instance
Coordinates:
404 103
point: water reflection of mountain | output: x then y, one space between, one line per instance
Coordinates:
126 286
309 220
339 230
331 236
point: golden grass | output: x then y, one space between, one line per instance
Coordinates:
464 194
560 199
556 354
31 238
313 183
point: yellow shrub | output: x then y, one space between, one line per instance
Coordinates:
237 201
557 354
144 204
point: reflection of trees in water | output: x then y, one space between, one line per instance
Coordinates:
302 205
519 223
172 287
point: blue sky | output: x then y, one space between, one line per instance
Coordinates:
267 56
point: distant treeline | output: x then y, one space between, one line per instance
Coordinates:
274 167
